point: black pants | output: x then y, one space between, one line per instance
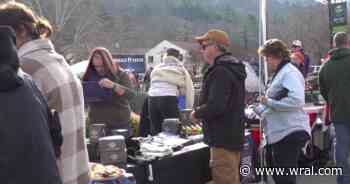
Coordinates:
285 154
160 108
145 122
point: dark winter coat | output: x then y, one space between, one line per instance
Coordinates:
222 103
334 84
26 154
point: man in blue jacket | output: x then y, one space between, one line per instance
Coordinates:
221 106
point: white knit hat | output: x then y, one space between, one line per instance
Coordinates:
297 43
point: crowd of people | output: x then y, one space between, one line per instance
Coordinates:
44 147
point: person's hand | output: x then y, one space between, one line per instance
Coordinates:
106 83
119 89
263 100
193 117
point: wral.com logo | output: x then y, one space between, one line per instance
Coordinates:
246 170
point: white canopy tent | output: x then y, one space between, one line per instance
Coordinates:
79 68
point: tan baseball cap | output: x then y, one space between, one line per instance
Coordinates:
215 35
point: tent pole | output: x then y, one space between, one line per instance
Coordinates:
262 71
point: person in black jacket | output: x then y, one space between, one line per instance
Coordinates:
221 106
27 154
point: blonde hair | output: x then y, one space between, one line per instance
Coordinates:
44 27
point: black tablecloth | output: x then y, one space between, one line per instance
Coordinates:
187 166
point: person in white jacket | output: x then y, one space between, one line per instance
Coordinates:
169 80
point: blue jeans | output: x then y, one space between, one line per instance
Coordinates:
342 150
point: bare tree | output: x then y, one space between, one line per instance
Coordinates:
307 24
81 25
72 20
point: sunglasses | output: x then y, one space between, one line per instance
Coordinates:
295 47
